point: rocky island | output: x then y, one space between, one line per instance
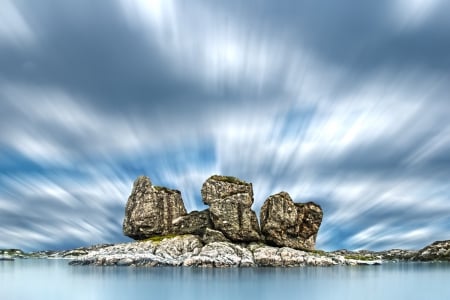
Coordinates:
226 234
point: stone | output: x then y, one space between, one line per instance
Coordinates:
196 222
235 219
221 254
230 200
288 224
212 236
437 251
150 210
220 187
179 247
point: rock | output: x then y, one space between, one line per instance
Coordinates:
75 252
188 250
288 224
11 254
220 187
212 236
125 262
150 210
221 254
438 251
237 221
178 247
267 256
230 201
196 222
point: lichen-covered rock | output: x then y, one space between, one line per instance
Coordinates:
220 187
235 219
196 222
288 224
221 254
178 247
212 236
150 210
230 200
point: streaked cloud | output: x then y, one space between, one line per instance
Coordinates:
330 104
14 28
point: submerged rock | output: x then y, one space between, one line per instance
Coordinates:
150 210
288 224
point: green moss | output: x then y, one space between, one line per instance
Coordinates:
159 238
229 179
320 252
359 257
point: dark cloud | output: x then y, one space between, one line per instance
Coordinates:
362 37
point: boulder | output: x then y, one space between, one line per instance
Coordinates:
150 210
196 222
212 236
288 224
220 187
230 200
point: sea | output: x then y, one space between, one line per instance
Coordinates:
48 279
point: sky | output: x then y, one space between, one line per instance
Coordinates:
345 103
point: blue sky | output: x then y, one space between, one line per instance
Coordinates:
344 103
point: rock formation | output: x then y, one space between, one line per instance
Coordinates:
188 250
157 211
230 201
288 224
150 210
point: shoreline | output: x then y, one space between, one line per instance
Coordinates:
191 251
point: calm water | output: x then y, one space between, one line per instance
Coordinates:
53 279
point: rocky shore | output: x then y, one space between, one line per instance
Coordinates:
193 251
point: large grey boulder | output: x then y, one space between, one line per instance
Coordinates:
288 224
150 210
230 200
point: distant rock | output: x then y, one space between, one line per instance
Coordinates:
150 210
230 200
439 251
196 222
288 224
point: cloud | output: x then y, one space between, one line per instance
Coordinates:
411 14
318 100
14 28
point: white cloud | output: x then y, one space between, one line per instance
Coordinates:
410 14
13 27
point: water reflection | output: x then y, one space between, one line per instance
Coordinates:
52 279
